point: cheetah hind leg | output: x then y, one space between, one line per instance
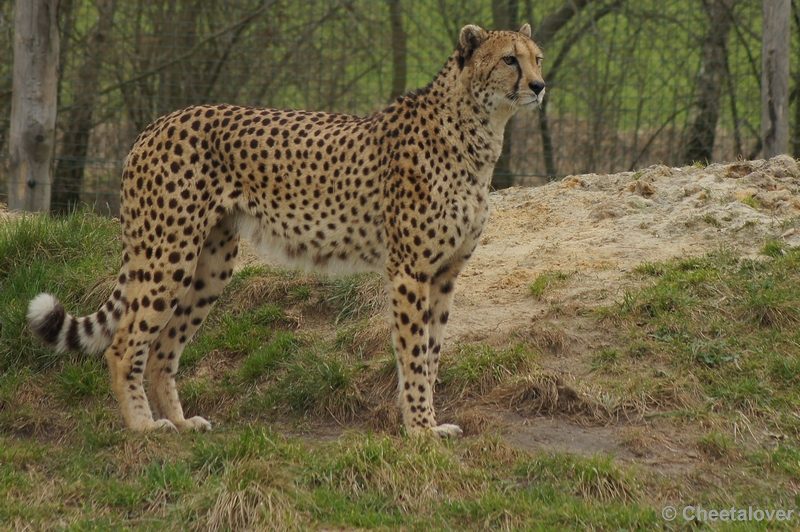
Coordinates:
126 358
212 275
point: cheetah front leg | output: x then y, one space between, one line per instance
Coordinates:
411 313
442 293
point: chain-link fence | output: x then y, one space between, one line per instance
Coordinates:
630 83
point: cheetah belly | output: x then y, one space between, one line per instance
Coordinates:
341 250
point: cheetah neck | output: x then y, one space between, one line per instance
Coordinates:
467 123
479 126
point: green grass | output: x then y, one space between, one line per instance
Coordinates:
252 477
320 382
547 281
475 370
711 220
751 202
84 378
706 347
50 254
716 445
261 362
730 321
605 359
355 295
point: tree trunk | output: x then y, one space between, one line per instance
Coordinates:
34 103
794 97
168 82
775 77
68 181
399 45
505 14
702 133
547 142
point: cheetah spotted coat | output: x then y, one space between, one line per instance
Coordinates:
402 192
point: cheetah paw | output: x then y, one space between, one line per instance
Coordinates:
162 425
197 423
447 430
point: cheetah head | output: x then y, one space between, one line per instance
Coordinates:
503 69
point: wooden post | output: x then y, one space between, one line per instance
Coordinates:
33 104
775 77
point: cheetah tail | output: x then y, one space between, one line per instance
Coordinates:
91 334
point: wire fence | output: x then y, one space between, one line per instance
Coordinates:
630 83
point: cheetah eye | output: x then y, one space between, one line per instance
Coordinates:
509 60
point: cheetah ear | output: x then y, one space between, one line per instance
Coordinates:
525 30
470 38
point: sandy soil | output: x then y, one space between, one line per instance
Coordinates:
595 229
598 227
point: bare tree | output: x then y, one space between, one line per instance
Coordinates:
552 24
453 14
775 77
184 62
543 35
33 106
628 90
714 53
794 97
505 14
399 48
77 121
6 76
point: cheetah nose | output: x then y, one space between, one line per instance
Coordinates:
536 87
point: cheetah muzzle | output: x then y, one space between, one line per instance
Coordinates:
402 192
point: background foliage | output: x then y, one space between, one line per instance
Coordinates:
630 83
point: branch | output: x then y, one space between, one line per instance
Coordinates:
575 37
653 137
381 60
547 139
755 66
215 71
147 73
551 25
290 53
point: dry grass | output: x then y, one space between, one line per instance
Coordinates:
544 393
251 506
478 420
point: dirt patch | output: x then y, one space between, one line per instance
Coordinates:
554 434
598 227
601 226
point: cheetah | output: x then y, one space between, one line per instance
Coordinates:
403 192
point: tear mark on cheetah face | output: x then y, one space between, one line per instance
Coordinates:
402 192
